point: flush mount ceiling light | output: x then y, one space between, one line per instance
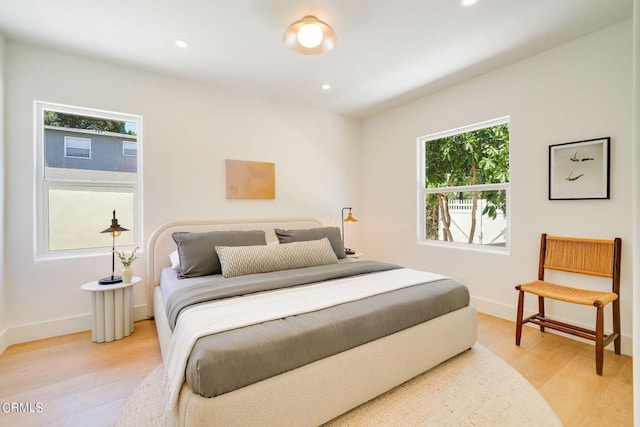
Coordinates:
309 36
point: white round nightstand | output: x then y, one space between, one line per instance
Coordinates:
112 309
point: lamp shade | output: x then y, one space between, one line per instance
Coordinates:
115 228
309 36
350 218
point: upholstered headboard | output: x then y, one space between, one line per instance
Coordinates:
161 243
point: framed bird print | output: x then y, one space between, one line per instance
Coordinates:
579 170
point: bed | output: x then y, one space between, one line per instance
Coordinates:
321 387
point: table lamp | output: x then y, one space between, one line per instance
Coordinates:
349 219
115 231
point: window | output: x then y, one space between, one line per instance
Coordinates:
129 148
87 166
79 148
464 190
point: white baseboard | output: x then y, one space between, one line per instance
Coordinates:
493 308
508 312
53 328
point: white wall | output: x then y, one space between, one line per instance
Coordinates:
4 319
636 205
577 91
189 130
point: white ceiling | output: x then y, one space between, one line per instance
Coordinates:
388 51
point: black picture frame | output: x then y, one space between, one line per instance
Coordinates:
580 170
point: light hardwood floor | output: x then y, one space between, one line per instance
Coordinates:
563 371
80 383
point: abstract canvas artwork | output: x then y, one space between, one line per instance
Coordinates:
250 180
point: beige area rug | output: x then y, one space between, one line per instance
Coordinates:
475 388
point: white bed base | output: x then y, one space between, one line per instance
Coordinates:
320 391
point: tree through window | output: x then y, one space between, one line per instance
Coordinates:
466 184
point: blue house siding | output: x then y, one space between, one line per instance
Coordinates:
106 151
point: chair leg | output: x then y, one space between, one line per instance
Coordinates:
616 326
599 340
519 317
541 310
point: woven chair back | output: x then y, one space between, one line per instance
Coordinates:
575 255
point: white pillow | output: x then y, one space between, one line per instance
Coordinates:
175 260
243 260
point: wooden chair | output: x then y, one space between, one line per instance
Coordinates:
585 256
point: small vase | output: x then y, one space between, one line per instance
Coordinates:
127 274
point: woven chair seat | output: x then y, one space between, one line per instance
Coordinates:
567 294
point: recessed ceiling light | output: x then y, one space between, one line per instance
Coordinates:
467 3
326 86
182 43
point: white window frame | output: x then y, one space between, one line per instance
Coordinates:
124 149
423 191
42 183
73 140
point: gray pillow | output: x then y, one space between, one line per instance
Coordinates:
197 250
331 233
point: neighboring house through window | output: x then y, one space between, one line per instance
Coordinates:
464 194
88 164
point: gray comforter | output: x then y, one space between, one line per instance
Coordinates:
229 360
219 287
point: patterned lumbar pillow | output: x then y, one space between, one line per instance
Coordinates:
243 260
